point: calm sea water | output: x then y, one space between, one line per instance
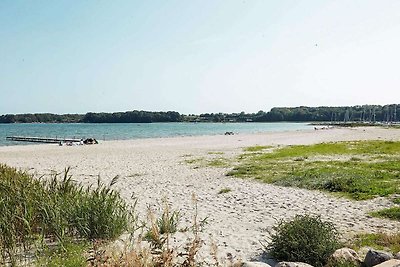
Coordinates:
123 131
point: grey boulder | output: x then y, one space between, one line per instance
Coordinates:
375 257
397 255
345 254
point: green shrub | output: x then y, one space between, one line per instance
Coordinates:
305 239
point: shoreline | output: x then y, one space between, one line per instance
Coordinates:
285 137
165 138
111 132
152 169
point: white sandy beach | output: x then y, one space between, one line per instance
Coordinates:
151 169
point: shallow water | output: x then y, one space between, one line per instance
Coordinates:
124 131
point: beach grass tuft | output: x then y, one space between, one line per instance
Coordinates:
218 162
214 162
160 229
389 213
56 210
396 200
133 175
72 255
380 241
194 160
215 153
358 169
224 190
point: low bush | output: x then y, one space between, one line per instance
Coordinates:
305 239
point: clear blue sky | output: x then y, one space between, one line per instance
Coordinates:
197 56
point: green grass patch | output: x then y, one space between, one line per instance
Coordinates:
360 170
248 155
396 200
380 241
215 153
224 191
256 148
213 162
194 160
72 255
390 213
218 162
338 148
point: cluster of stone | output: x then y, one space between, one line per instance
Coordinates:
372 258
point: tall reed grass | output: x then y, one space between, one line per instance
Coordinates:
55 210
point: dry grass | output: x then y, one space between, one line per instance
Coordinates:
380 241
157 250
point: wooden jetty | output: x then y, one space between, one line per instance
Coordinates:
42 139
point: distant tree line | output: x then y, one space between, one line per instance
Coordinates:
365 113
41 117
132 116
116 117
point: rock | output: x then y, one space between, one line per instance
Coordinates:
292 264
255 264
389 263
375 257
345 255
397 255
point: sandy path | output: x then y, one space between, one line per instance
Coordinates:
154 168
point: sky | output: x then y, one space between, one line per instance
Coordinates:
197 56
